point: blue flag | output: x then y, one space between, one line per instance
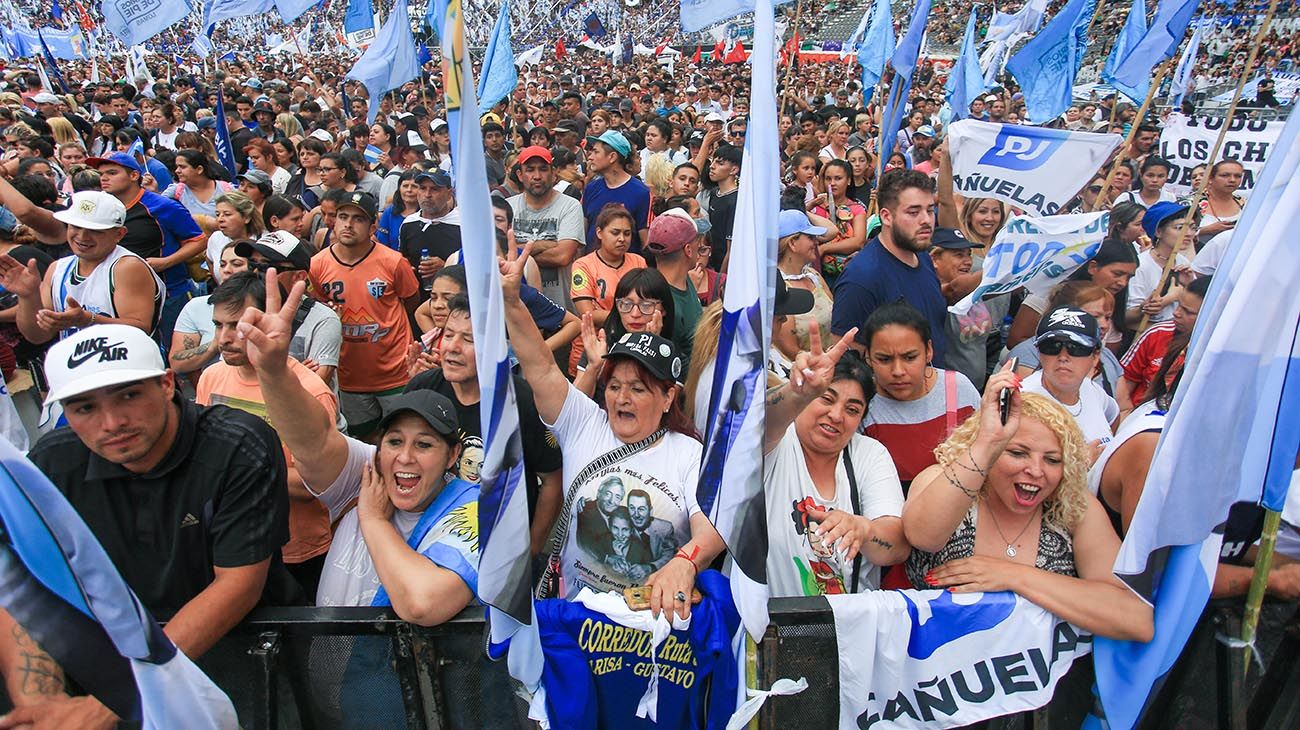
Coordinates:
1132 76
52 64
136 22
56 11
731 490
697 15
225 150
1046 66
57 582
1170 552
290 10
1135 28
592 26
904 63
966 81
1182 78
499 73
216 11
390 60
876 46
359 16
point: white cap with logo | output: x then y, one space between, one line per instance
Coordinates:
100 356
93 209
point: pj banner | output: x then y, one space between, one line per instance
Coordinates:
934 659
1188 141
1037 253
1033 169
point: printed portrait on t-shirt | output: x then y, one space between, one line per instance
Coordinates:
470 465
536 229
818 565
626 526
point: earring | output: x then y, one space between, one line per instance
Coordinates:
929 371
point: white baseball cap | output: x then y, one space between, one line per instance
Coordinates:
715 117
322 135
93 209
46 97
100 356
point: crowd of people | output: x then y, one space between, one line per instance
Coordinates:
261 383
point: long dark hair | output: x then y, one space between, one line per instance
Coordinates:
674 419
197 159
648 284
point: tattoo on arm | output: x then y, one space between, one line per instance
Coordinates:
775 398
38 674
882 543
193 352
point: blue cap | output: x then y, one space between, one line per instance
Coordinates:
117 158
618 142
925 130
794 221
8 223
1157 214
437 177
208 123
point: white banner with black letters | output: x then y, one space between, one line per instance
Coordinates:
1037 253
1188 141
1034 169
934 659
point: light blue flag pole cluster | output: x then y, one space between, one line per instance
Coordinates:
500 77
1132 75
904 63
504 583
1186 65
731 473
876 46
696 15
1135 27
966 81
57 582
390 61
1252 342
136 22
1047 65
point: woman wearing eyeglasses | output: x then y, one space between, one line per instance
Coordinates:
596 275
1069 349
643 302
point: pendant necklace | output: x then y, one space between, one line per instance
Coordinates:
1011 544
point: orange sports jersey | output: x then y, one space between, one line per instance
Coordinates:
595 280
368 298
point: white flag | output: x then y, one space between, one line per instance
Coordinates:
1034 169
1037 253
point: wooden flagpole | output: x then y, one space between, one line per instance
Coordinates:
789 62
1132 131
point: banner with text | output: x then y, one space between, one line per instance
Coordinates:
934 659
1187 142
1010 162
1037 253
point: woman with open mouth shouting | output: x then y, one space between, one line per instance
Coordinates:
631 466
1007 508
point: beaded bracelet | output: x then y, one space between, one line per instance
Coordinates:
975 467
953 480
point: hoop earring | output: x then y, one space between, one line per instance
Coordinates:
929 371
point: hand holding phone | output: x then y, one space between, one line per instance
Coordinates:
1004 397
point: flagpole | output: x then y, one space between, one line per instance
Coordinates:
1132 130
1259 583
789 62
1200 191
1101 5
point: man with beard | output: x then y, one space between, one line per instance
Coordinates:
656 535
892 266
429 236
548 219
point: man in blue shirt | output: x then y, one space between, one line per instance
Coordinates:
893 266
607 158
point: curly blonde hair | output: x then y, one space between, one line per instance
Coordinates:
1067 505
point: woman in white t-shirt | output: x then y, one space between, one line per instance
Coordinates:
411 542
631 467
834 502
1154 175
1069 349
1163 223
236 220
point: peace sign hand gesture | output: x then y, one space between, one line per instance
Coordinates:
512 271
812 371
266 335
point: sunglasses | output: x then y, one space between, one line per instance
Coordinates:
1053 348
1094 188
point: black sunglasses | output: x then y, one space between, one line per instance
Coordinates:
1053 347
1094 188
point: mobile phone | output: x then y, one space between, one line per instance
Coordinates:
1004 397
638 597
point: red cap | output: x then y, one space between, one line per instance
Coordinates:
535 152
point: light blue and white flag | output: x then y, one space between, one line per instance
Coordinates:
359 22
1037 253
1170 553
500 77
1135 27
966 81
1035 169
202 45
504 583
859 32
731 473
1132 76
697 15
1004 27
291 10
903 61
1182 78
390 61
136 22
57 582
1047 65
215 11
877 46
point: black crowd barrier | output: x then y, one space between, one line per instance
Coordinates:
363 668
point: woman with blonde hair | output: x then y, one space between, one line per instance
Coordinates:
1007 508
290 125
63 131
837 146
658 173
703 353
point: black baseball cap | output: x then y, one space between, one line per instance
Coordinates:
432 406
365 201
1069 323
951 239
656 353
790 302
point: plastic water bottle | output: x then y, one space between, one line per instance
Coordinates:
426 282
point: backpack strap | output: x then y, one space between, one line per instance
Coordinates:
857 510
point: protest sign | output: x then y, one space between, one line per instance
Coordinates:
934 659
1010 162
1037 253
1187 142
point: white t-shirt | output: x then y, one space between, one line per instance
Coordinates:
196 317
349 577
1134 196
1145 281
795 567
216 243
1094 412
1211 255
605 549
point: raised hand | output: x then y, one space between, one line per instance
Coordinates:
512 271
267 334
656 325
72 316
21 279
812 370
593 341
991 427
